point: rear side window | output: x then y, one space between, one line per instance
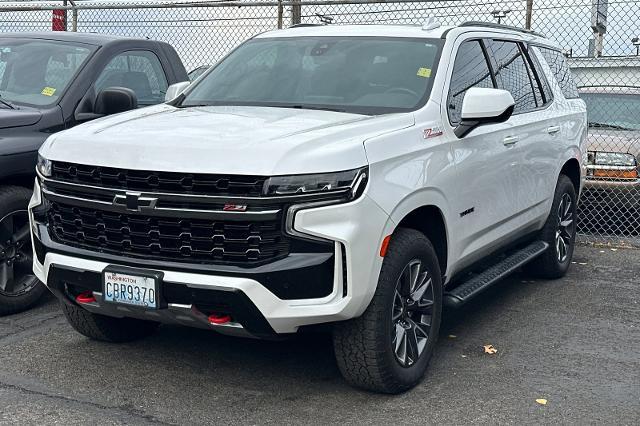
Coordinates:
513 74
542 87
470 69
558 65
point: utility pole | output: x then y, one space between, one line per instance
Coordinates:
529 13
636 43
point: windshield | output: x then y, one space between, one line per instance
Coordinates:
362 75
613 110
36 72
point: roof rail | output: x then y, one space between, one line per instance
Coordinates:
500 27
306 25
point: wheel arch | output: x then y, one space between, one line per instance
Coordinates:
571 169
430 220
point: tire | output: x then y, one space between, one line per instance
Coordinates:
19 288
559 231
107 329
366 348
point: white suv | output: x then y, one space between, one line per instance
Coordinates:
362 176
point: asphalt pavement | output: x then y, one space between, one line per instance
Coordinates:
573 342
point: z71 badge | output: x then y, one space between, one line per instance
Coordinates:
432 132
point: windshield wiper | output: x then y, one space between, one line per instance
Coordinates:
7 104
609 126
313 107
266 105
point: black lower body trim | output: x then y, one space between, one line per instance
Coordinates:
67 283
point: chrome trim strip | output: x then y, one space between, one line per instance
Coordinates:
291 215
157 211
609 167
202 197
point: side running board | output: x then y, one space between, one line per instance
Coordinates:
460 294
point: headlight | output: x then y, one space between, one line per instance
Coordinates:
351 182
44 166
612 159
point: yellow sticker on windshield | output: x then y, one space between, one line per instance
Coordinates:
48 91
424 72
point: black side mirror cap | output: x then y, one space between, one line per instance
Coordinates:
466 126
113 100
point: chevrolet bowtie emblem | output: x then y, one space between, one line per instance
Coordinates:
134 201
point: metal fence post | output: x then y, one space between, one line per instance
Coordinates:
280 13
529 14
296 12
74 17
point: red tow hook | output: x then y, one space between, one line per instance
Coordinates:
219 318
86 297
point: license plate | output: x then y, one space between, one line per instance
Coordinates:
127 288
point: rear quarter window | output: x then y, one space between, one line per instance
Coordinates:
558 64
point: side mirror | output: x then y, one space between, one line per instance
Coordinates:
113 100
484 106
175 89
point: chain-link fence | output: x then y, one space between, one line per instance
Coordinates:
599 37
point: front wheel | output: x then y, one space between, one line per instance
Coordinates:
388 348
19 287
559 232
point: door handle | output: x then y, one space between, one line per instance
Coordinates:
510 140
553 129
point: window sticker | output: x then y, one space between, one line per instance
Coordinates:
424 72
48 91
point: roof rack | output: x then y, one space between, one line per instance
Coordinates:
500 27
306 25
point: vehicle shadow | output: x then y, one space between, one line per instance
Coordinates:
187 357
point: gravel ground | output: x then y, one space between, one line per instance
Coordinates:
574 342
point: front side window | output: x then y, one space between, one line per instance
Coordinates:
560 70
470 69
362 75
512 74
139 71
37 72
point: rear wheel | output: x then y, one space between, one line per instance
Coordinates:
559 232
388 348
107 329
19 287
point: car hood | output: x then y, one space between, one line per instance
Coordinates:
608 140
216 139
18 117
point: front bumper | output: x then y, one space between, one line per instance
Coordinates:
611 193
356 230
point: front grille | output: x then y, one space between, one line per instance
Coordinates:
168 238
149 181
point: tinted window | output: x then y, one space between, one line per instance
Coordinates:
139 71
470 69
512 74
537 91
542 86
37 72
558 65
362 75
